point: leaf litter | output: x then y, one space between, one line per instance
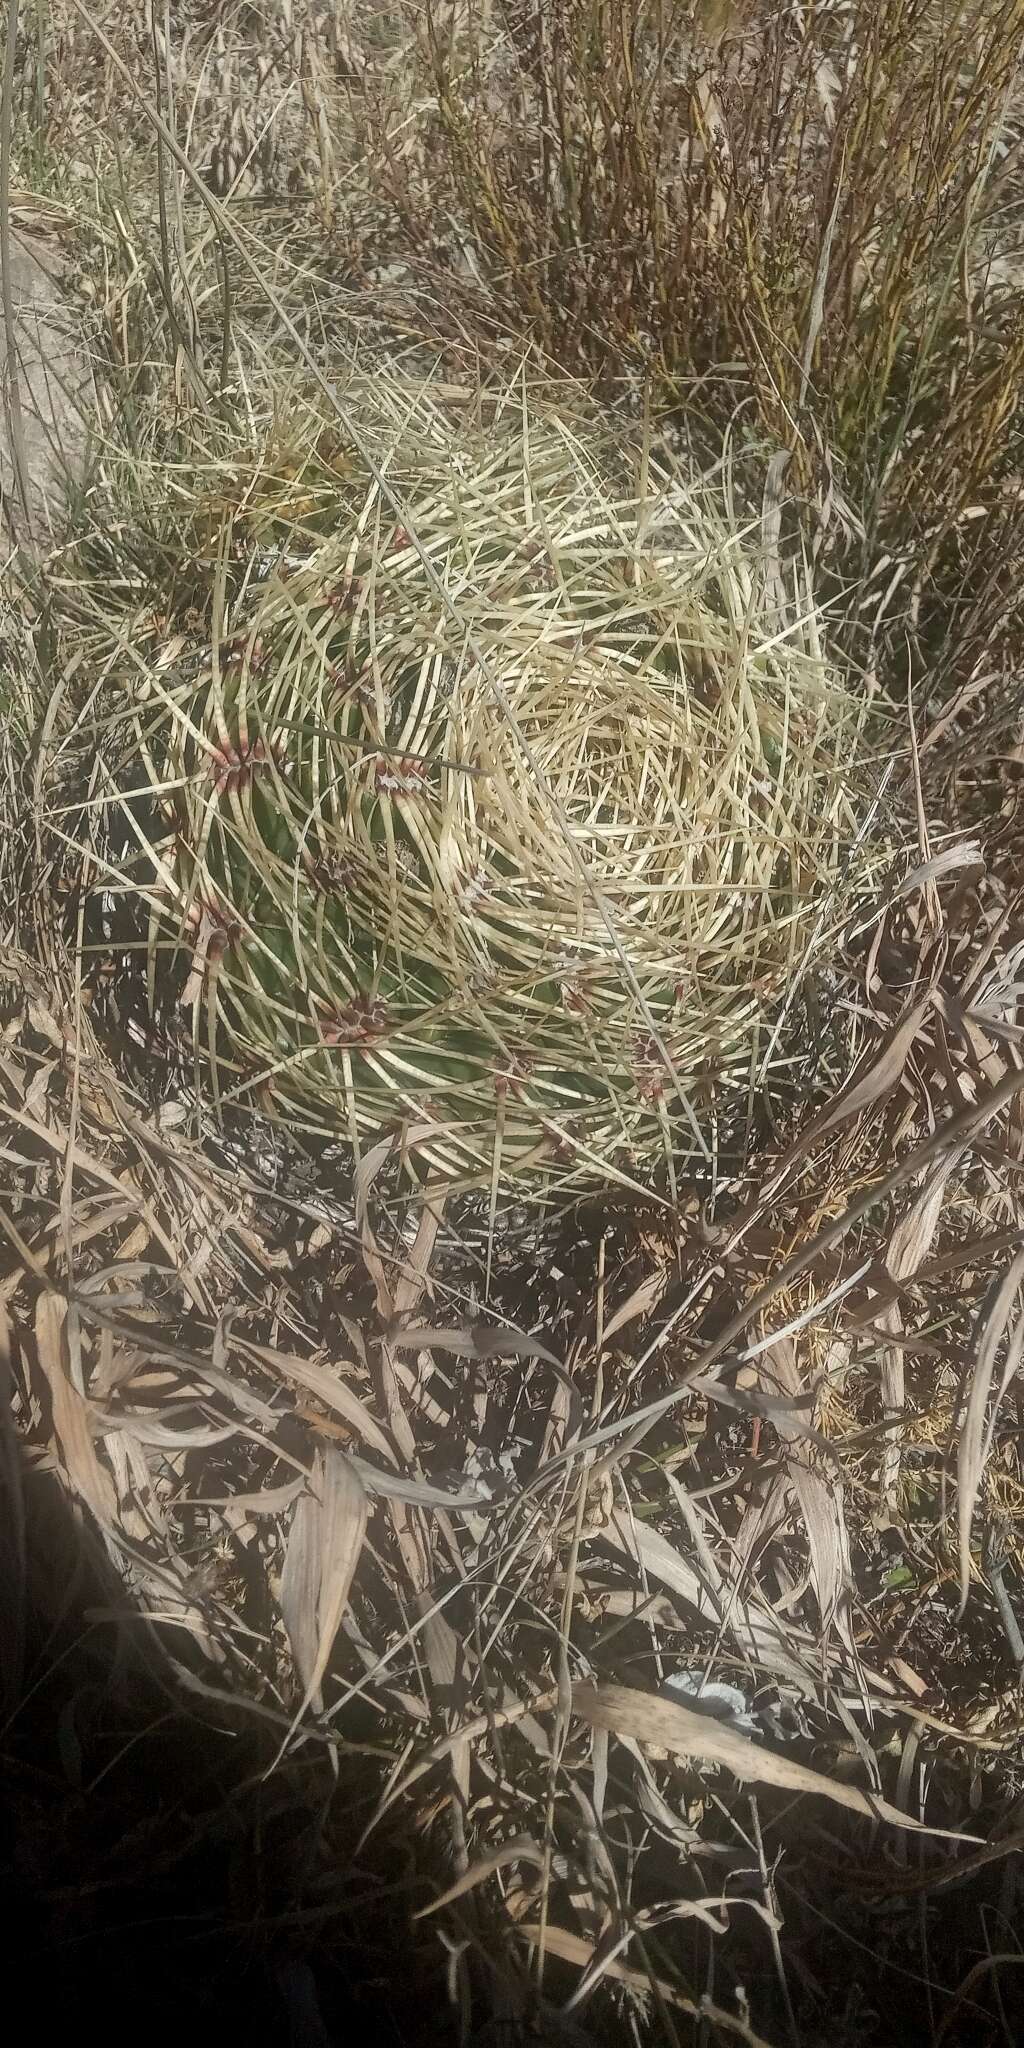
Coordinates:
593 1499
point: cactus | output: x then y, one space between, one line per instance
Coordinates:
508 815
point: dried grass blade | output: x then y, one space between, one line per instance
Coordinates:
820 1502
72 1424
446 1664
416 1277
319 1381
571 1948
324 1543
521 1850
882 1075
909 1245
975 1439
479 1341
758 1635
366 1171
646 1717
644 1297
300 1583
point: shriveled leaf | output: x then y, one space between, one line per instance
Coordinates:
640 1302
914 1234
363 1178
237 1507
329 1388
647 1717
162 1435
300 1585
522 1850
967 858
479 1340
571 1948
758 1633
72 1416
975 1437
909 1246
881 1076
446 1663
324 1543
819 1499
414 1278
820 1502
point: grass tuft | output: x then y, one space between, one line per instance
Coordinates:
806 216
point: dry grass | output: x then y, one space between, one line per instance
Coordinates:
809 216
510 1545
492 1512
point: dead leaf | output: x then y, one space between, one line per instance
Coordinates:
953 860
643 1299
324 1543
329 1388
522 1850
365 1174
571 1948
881 1076
912 1239
478 1340
647 1717
72 1415
820 1501
909 1246
760 1635
975 1438
415 1277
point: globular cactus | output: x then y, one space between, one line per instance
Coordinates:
506 816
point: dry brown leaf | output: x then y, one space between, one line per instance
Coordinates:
324 1543
912 1239
328 1388
87 1163
643 1299
237 1507
820 1501
975 1438
365 1174
72 1416
571 1948
953 860
446 1663
883 1073
300 1585
480 1340
647 1717
414 1279
759 1635
909 1246
521 1850
482 1727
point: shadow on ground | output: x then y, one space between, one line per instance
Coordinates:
155 1879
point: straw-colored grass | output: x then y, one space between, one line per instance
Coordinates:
513 821
805 219
767 1447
